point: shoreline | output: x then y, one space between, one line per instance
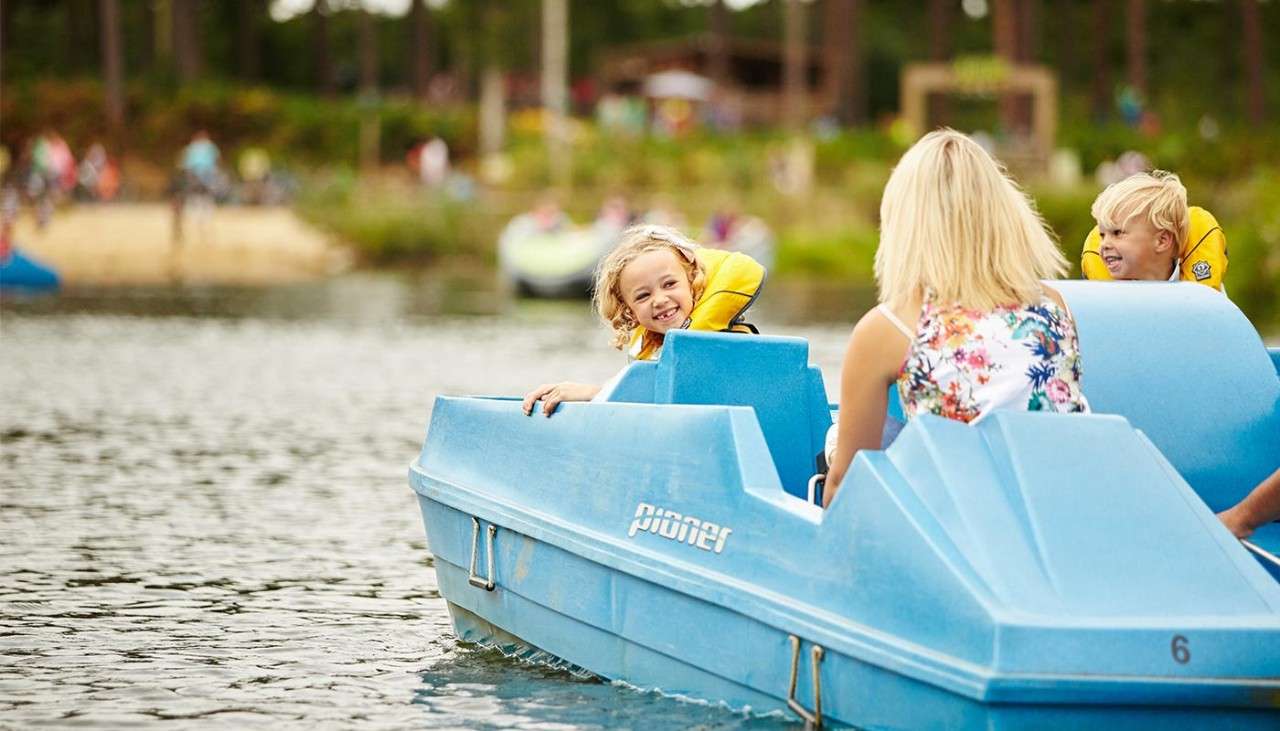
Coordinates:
134 244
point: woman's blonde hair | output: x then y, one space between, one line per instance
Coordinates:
1159 195
636 241
955 227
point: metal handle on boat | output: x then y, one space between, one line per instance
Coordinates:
475 579
1259 550
813 486
816 653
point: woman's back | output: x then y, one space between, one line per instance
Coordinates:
963 363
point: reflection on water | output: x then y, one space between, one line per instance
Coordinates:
204 513
409 295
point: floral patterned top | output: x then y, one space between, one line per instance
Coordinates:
962 364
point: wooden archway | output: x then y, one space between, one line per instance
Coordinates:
921 80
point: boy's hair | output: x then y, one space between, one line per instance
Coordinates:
953 224
635 241
1158 195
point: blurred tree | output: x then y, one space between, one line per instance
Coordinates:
1136 45
1100 88
186 39
113 65
326 80
248 37
370 128
842 46
1004 20
419 48
795 64
555 73
940 20
1252 46
718 15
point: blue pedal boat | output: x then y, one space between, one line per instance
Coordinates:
1033 571
22 274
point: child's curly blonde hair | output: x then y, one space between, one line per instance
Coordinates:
636 241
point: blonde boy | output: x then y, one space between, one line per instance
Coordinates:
1146 231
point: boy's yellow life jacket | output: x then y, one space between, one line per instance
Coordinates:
734 280
1202 258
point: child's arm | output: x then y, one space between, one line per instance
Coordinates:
552 394
871 362
1260 506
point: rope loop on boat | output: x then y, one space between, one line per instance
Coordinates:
816 653
481 582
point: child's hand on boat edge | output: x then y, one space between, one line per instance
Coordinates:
552 394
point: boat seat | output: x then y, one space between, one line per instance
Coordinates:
1185 366
769 373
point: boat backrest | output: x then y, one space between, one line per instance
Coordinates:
771 374
1184 365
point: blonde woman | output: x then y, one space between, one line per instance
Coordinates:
654 281
965 324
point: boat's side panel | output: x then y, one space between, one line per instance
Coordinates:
653 637
656 638
1184 365
869 576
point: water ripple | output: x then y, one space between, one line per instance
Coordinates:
207 521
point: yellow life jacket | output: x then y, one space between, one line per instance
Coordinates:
733 281
1202 258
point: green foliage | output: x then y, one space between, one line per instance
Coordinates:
1250 216
390 223
832 254
295 128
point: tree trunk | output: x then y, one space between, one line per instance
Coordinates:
6 24
162 31
795 65
1004 22
1101 96
248 33
419 48
1136 27
1028 52
493 112
370 124
368 54
113 65
186 38
325 80
939 52
555 72
718 66
940 30
836 47
1028 31
1253 61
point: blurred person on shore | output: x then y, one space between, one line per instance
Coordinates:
10 202
433 163
662 212
199 162
98 174
50 171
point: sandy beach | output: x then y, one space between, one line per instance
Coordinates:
127 244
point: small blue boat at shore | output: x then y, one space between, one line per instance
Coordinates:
21 273
1033 571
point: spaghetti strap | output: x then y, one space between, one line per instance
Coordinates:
892 318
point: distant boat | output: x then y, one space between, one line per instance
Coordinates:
21 273
556 263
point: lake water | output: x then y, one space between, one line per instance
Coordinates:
205 516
